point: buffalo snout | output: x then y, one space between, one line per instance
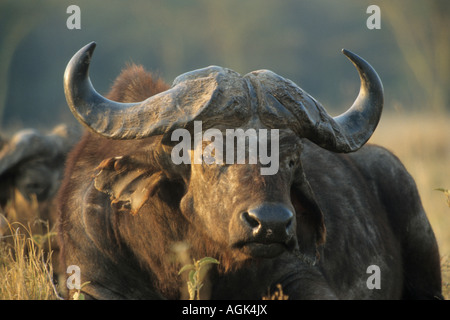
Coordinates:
266 231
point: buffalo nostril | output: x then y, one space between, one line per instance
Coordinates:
289 224
273 221
250 220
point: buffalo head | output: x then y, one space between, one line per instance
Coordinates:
245 213
31 168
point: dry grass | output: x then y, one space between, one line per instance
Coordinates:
25 267
278 294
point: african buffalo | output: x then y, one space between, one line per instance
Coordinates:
331 223
31 169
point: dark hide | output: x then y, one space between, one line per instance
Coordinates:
124 207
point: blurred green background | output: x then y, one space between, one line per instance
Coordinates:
300 40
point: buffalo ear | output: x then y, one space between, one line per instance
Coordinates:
311 231
128 183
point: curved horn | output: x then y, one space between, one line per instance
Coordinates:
287 105
198 95
350 131
359 122
86 104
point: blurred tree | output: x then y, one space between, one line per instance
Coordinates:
422 31
17 20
